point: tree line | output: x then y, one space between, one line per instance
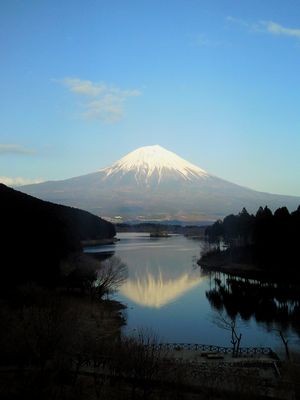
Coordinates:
270 240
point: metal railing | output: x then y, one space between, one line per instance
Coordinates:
215 349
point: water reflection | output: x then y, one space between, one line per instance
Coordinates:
276 305
166 292
156 289
160 270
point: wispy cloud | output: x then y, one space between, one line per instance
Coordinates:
270 27
103 102
238 21
15 149
85 87
277 29
201 40
18 181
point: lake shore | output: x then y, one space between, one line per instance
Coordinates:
231 268
98 242
222 261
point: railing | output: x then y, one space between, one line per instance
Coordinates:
215 349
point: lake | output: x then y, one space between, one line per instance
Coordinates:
166 292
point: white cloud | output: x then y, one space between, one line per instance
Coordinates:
277 29
14 149
18 181
104 102
87 88
266 27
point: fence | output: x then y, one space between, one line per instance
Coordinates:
216 349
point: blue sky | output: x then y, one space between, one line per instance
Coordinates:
217 82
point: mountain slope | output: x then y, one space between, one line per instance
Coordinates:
154 183
36 235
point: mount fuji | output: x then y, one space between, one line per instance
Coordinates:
152 183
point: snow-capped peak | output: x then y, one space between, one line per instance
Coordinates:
149 161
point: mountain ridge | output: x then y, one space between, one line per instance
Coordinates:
154 183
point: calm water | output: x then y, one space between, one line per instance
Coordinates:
167 292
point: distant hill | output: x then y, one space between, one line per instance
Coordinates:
36 235
154 184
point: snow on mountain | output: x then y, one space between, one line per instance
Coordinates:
152 183
149 161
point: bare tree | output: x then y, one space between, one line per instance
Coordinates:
110 275
86 273
285 342
229 324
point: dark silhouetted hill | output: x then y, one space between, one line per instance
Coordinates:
36 235
268 240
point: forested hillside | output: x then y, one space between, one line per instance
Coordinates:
268 240
36 235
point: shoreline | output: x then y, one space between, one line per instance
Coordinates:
243 270
98 242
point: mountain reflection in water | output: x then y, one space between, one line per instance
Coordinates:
160 270
167 292
155 289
